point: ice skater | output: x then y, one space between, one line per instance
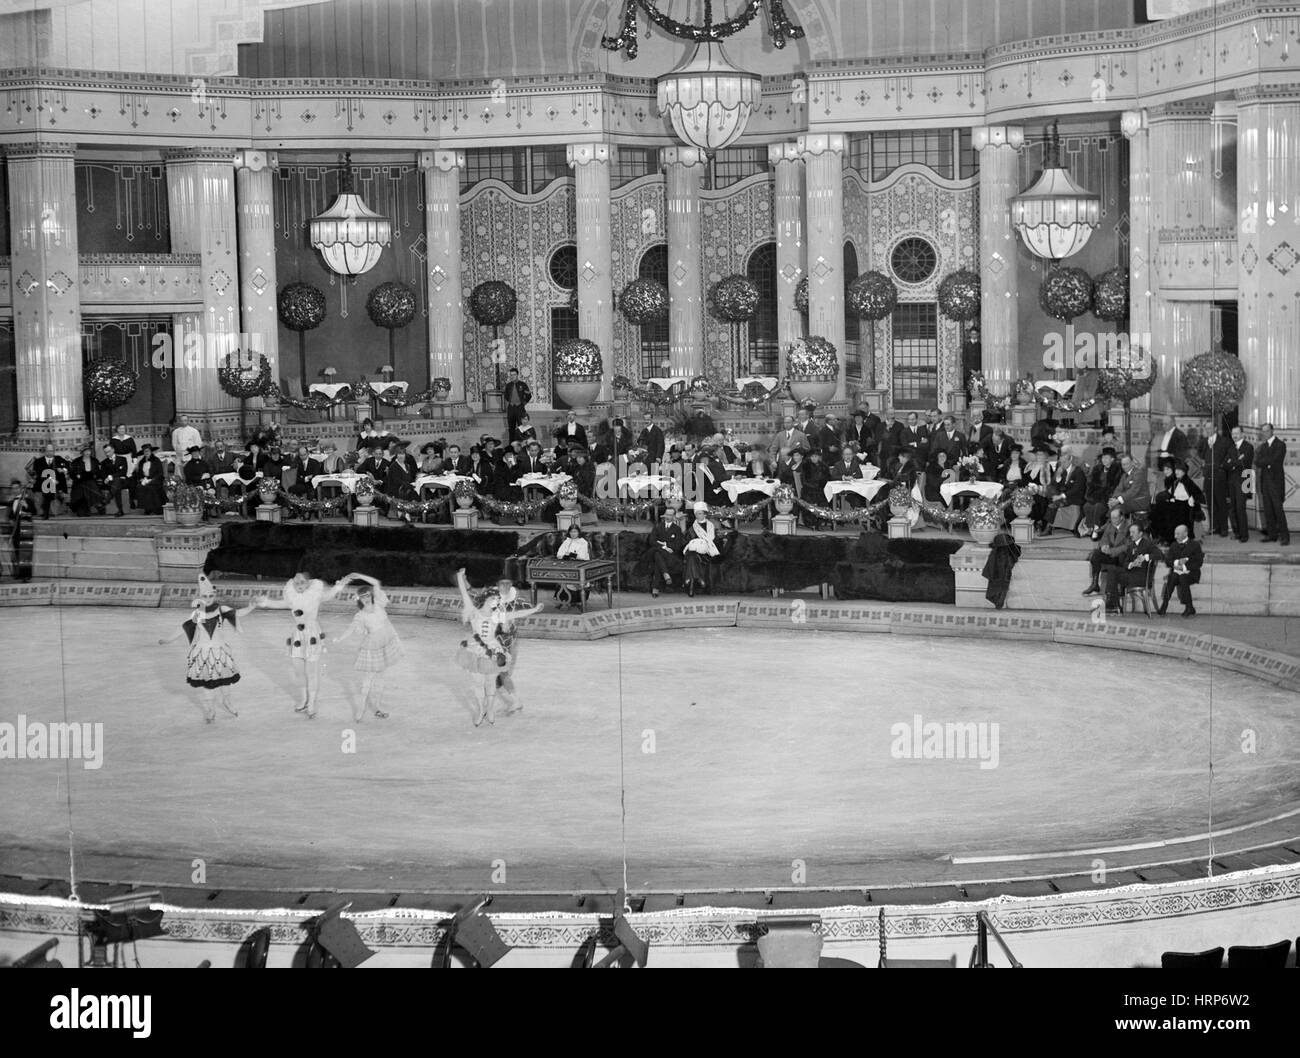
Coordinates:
489 651
304 596
380 646
209 665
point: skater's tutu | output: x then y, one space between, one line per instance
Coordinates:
211 667
474 657
377 656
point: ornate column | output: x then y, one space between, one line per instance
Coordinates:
788 217
442 267
684 166
254 185
47 306
824 175
1142 244
201 196
1268 252
999 148
590 162
1181 175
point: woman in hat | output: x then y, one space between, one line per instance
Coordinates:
304 595
380 646
490 649
149 481
209 665
87 497
1180 503
700 550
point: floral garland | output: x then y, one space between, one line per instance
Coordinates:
110 383
647 394
812 357
734 299
959 295
1110 295
391 305
493 303
979 392
851 514
1065 293
311 402
626 38
752 396
514 509
801 295
644 301
242 383
577 358
1214 382
301 306
872 296
419 507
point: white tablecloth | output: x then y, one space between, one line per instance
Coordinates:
384 387
440 481
739 486
1061 389
347 482
637 483
989 489
735 468
766 381
667 383
864 488
549 482
231 476
329 389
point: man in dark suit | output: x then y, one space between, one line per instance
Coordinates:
651 438
115 477
517 396
1214 450
792 470
865 432
530 460
950 440
1172 444
1044 429
455 463
805 425
1184 559
1237 467
572 432
1068 489
305 468
582 470
996 454
710 474
828 439
791 437
220 460
847 468
50 479
1134 568
1270 457
665 545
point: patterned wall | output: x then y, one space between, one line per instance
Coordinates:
639 215
508 236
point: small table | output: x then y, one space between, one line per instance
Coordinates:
331 390
866 488
990 490
567 572
379 388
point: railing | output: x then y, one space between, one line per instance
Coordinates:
979 957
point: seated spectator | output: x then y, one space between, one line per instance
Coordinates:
575 547
1102 479
1181 502
1184 559
709 478
114 477
304 468
1110 546
431 458
1015 471
87 497
904 468
524 430
665 545
938 474
149 481
505 487
1133 568
195 470
995 454
700 549
1066 495
1132 494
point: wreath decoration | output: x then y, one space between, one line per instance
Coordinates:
242 382
110 383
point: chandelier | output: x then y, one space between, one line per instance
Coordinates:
1056 217
708 100
350 235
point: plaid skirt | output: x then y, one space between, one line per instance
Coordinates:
377 653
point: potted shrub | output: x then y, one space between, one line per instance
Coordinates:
984 520
783 497
577 373
1022 502
568 496
464 493
814 369
268 489
900 501
365 491
188 501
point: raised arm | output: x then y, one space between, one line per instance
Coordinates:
463 584
381 599
265 602
247 609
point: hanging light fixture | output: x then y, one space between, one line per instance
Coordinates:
707 99
1056 217
350 235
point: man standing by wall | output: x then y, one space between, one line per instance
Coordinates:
517 396
1238 465
1270 456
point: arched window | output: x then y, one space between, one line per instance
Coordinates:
763 341
654 335
852 321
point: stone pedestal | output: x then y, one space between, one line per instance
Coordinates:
567 519
269 512
169 514
900 529
787 407
494 401
466 518
968 570
957 401
785 525
1022 531
365 517
183 552
1023 415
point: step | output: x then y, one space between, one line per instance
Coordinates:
64 572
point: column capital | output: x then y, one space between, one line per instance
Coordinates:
217 155
821 143
985 136
41 149
443 161
1268 93
255 160
1131 122
585 153
683 156
1186 110
783 152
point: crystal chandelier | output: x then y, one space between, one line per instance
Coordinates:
1056 217
350 235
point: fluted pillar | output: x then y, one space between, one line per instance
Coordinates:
1268 254
788 210
999 149
201 197
824 194
1181 177
590 162
683 167
442 268
47 306
1141 240
254 188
